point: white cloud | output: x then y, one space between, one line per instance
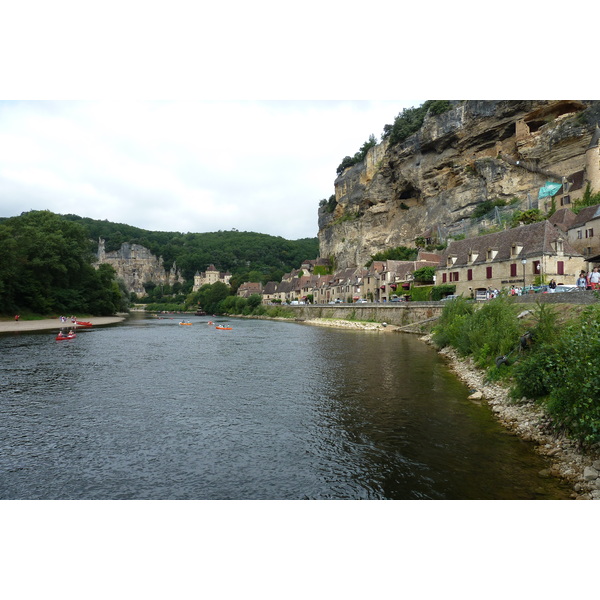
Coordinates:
183 166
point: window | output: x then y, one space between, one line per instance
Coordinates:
454 276
443 277
579 234
488 272
565 200
516 250
589 232
560 267
513 270
469 274
536 266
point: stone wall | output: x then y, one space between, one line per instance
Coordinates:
400 314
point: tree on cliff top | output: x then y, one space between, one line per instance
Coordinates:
410 120
350 161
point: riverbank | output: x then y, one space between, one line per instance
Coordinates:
529 422
525 420
362 325
11 326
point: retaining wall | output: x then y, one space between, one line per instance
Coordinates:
405 313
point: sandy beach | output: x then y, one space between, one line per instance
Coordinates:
9 326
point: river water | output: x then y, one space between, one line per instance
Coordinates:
150 409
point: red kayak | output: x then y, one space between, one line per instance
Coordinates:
84 323
70 336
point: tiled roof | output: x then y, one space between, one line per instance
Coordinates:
586 214
535 240
563 218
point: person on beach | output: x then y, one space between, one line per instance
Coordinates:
17 317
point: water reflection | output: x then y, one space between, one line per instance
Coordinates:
269 410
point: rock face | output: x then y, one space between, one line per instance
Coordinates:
429 185
136 265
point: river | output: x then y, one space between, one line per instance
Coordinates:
150 409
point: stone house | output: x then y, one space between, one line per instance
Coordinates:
583 232
285 290
249 288
269 292
512 257
210 276
322 289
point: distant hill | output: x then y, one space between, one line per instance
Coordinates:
246 255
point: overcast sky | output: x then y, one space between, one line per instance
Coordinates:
183 165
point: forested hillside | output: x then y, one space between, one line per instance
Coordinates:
46 268
248 256
46 260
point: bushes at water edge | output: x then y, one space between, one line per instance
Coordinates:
560 369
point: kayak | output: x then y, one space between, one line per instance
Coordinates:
83 323
71 336
217 327
185 323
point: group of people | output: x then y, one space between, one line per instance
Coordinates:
590 280
65 319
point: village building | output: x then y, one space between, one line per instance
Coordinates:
249 289
269 292
583 232
514 257
210 276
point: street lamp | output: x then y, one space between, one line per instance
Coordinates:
524 262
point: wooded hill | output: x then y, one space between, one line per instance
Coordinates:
247 256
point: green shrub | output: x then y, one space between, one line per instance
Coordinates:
440 291
424 274
451 323
421 293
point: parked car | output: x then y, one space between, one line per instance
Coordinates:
450 297
360 301
566 288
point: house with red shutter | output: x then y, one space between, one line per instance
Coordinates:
513 257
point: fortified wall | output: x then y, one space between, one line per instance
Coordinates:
429 185
136 265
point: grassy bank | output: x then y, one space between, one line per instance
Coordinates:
543 353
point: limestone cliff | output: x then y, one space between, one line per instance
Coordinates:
136 265
429 185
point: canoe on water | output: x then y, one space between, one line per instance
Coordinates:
70 336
